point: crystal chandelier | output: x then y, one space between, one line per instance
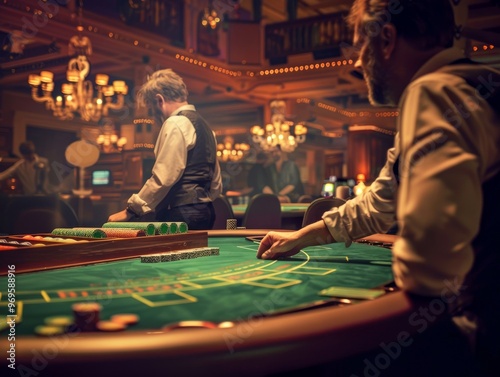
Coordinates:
228 150
109 140
78 94
210 17
280 131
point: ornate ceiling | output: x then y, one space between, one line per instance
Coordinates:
231 96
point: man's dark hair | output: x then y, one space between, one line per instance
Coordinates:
27 148
426 24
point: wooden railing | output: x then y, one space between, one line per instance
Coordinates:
163 17
322 35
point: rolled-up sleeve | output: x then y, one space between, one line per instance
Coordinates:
372 212
177 136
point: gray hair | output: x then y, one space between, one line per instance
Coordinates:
165 82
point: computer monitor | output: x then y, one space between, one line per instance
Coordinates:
101 178
330 185
328 188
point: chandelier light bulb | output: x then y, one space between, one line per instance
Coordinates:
34 80
228 150
48 86
281 132
101 79
72 75
81 96
67 89
46 76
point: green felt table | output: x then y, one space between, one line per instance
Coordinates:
232 286
258 297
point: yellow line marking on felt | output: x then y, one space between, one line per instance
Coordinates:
187 299
288 283
321 271
45 296
18 316
191 284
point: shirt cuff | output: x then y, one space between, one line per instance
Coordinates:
134 214
137 205
333 222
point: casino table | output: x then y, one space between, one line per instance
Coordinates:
291 214
231 312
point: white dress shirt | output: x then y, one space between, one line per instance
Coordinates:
176 138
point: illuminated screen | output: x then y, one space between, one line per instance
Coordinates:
328 189
101 178
330 186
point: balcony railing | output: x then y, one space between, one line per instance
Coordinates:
322 35
163 17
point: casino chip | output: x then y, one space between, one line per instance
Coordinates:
231 224
152 258
226 325
126 318
180 254
109 326
49 330
86 315
61 321
190 325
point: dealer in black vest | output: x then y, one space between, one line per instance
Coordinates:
186 174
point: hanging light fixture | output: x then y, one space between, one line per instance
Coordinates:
210 17
280 131
228 150
78 94
109 141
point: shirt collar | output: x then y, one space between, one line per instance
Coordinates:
185 107
439 60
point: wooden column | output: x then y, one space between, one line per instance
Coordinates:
367 150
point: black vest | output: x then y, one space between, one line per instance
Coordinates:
194 185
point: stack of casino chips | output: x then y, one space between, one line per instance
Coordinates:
180 254
99 232
118 232
81 232
176 227
151 228
231 224
86 316
9 244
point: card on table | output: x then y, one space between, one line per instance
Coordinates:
353 293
